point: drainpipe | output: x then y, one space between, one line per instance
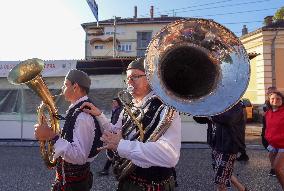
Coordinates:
273 59
86 46
114 37
22 112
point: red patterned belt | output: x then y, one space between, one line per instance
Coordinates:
73 178
150 185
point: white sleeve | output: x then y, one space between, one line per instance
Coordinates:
105 124
164 152
78 151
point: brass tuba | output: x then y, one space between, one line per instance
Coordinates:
28 72
196 66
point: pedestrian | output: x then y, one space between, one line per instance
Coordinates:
268 92
153 160
274 133
115 112
223 136
263 139
77 145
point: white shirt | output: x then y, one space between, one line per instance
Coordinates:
78 151
164 152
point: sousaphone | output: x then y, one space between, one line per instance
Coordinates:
197 66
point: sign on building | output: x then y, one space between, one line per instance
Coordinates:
52 68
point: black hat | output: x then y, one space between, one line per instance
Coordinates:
137 64
79 77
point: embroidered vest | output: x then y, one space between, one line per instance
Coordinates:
150 120
67 132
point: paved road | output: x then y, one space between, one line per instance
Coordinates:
21 169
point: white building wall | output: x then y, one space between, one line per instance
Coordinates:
22 127
125 33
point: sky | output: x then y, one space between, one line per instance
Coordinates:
51 29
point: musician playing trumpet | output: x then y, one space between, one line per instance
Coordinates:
153 159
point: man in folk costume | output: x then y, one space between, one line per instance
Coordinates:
77 145
153 159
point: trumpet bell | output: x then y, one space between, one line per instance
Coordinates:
197 66
26 71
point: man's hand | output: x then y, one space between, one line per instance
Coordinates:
90 109
111 140
43 132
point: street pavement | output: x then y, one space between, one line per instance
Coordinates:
21 167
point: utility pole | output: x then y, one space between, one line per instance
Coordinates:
114 37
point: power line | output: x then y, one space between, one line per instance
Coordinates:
218 2
242 22
189 8
223 6
238 12
185 9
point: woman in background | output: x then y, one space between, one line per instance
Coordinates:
274 133
116 110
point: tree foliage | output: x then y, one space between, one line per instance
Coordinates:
279 14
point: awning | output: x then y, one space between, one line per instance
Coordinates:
104 66
97 40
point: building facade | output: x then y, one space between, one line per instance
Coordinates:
122 37
267 63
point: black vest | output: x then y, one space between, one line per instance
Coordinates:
147 119
153 173
67 132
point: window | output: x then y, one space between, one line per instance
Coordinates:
97 47
143 39
109 33
124 47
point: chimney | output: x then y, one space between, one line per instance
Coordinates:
268 20
152 12
244 30
135 12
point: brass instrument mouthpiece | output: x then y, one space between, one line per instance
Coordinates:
130 89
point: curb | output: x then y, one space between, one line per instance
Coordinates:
18 143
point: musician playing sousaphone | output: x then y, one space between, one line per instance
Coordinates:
196 66
77 145
152 157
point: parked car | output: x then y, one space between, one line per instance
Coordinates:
248 109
